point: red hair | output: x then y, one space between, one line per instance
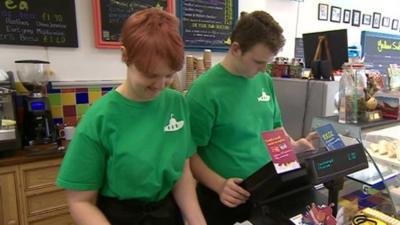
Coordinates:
151 35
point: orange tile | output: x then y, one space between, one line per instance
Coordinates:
70 121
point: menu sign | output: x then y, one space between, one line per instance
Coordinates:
38 22
207 23
111 14
380 50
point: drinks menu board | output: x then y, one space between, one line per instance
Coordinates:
109 16
379 50
38 22
207 23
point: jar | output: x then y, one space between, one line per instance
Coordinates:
296 68
351 93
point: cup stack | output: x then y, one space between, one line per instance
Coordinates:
190 71
199 66
207 54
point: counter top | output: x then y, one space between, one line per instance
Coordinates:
34 154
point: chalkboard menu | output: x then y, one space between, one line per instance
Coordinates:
207 23
38 22
380 50
111 14
299 48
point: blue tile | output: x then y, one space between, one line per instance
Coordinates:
82 98
58 121
106 89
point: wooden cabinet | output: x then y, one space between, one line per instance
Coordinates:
9 206
31 198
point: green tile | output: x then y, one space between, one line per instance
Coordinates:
81 109
95 89
55 99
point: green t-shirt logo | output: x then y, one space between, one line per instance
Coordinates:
173 124
264 97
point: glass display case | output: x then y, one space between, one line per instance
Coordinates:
365 189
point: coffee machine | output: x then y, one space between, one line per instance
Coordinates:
37 122
10 139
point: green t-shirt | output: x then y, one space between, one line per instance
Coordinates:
127 149
228 115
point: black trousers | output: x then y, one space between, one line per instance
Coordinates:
135 212
216 213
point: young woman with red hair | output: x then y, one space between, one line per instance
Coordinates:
131 148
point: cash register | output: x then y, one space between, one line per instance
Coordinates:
278 197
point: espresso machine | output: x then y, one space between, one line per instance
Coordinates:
37 122
9 136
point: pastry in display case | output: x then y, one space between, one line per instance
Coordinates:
365 189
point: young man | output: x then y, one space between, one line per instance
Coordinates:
231 105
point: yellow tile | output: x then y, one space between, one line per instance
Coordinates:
68 98
94 95
56 111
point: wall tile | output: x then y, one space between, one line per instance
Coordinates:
68 98
94 95
57 111
82 98
69 110
55 99
81 109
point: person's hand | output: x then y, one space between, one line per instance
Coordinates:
305 144
231 194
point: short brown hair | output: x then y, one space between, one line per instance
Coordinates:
149 35
258 27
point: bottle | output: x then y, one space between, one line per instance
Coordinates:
351 93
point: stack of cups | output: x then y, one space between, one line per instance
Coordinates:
190 71
199 66
207 59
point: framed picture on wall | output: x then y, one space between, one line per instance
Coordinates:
395 24
376 20
323 11
346 16
355 18
366 19
336 14
385 21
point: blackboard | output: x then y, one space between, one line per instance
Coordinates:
299 48
207 24
379 50
109 16
38 22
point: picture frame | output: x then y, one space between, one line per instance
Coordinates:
356 18
385 21
346 15
366 19
336 14
376 20
323 11
395 24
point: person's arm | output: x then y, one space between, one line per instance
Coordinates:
83 210
185 196
229 191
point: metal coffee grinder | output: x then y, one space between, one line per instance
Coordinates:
37 122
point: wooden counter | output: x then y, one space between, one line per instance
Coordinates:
28 194
34 154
